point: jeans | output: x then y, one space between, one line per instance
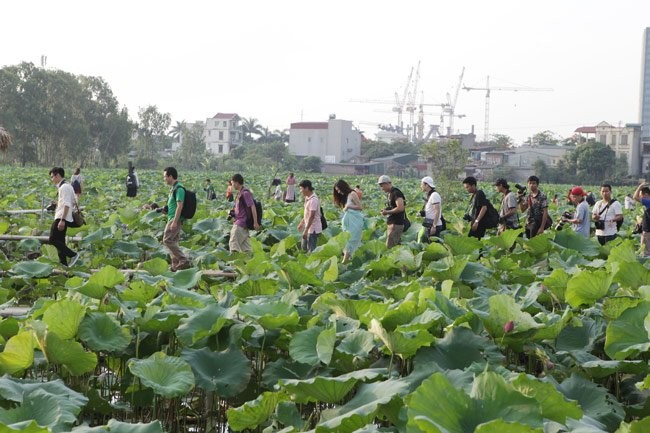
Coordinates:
57 238
309 244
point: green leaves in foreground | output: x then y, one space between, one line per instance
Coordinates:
168 376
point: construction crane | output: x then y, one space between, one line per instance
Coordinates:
399 102
488 89
410 106
450 110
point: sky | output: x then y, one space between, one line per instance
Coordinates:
290 61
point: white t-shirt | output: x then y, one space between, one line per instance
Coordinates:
66 198
607 216
312 203
434 198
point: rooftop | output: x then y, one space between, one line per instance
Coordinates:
309 125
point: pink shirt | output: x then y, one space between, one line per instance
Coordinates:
312 203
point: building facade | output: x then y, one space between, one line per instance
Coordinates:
333 141
625 141
644 103
222 133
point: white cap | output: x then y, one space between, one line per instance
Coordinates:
429 181
383 179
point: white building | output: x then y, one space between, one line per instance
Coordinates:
333 141
625 141
222 133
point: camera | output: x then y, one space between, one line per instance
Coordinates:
600 225
565 215
467 217
231 214
521 189
502 220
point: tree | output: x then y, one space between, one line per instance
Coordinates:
250 127
193 152
178 130
152 128
544 138
592 163
447 157
502 141
310 164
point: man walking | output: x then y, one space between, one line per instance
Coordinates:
310 224
172 234
244 206
508 217
482 214
62 216
642 195
537 206
606 214
395 211
580 220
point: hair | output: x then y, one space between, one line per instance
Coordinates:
606 185
77 170
276 182
503 183
291 174
57 170
340 198
533 179
171 171
470 180
645 190
358 187
208 180
237 178
306 184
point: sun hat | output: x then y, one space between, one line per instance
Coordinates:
383 179
429 181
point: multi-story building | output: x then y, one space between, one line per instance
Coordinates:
222 133
644 103
333 141
625 141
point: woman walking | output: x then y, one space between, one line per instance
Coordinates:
290 195
352 220
432 210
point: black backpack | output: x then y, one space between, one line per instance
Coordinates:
130 181
189 204
323 220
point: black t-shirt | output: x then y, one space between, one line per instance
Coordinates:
478 201
397 218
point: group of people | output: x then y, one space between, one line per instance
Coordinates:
481 215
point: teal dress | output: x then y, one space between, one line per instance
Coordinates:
353 222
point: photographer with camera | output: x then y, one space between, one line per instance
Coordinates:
432 211
395 211
508 217
481 213
642 195
607 215
537 206
580 221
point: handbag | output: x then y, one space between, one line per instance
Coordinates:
77 217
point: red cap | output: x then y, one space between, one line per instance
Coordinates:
576 190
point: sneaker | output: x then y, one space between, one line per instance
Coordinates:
73 260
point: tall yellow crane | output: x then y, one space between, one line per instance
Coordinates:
488 89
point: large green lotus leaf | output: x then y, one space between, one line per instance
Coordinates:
557 282
363 310
613 306
50 252
506 239
70 354
168 376
18 353
155 320
325 345
540 244
63 317
203 323
46 409
399 314
328 389
9 327
553 324
32 269
554 405
504 309
271 315
600 368
130 249
639 426
29 245
101 332
13 389
297 275
627 336
581 335
96 237
438 406
24 427
140 292
459 349
448 268
4 226
623 252
594 400
128 215
358 343
156 266
405 344
284 368
331 272
106 278
366 405
632 275
186 279
253 413
302 347
462 245
227 373
500 426
573 241
587 287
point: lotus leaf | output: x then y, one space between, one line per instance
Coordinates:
328 389
186 279
253 413
46 409
63 318
586 287
69 354
168 376
271 315
103 333
32 269
594 400
628 335
226 373
156 266
18 353
358 343
205 322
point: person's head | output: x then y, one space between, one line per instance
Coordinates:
502 185
606 191
306 188
427 185
340 193
533 183
645 191
629 195
237 181
276 182
385 183
469 183
577 194
170 174
207 181
56 174
77 170
291 174
357 187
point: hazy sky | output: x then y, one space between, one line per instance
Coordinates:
280 61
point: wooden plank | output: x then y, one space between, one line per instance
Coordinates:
28 211
40 238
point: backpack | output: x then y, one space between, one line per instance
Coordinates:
130 181
618 223
76 186
323 220
189 204
250 223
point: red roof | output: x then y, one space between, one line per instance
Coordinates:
225 115
309 125
586 130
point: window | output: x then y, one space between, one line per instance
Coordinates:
220 135
603 138
221 148
623 139
646 148
225 123
209 132
613 143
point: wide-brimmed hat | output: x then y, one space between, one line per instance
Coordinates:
429 181
383 179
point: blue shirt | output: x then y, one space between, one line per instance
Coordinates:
582 213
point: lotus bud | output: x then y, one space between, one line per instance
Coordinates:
509 326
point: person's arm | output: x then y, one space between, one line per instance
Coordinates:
399 207
479 217
637 193
523 203
436 214
310 220
179 208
